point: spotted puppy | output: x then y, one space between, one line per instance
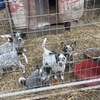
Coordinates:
13 44
7 47
55 61
18 41
68 52
9 59
38 78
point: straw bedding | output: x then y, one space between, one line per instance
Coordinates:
4 22
85 37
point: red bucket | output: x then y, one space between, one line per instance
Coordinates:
87 70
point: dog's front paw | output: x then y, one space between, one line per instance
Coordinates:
55 77
62 77
70 70
24 72
50 84
24 50
14 69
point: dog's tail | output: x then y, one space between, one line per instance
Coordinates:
22 81
20 53
43 44
5 36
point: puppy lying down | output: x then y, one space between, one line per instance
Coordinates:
38 78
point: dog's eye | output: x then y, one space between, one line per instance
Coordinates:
66 47
63 59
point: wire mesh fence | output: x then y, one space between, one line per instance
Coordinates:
62 22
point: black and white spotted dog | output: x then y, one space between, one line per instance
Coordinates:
38 78
9 59
18 41
68 52
13 44
55 61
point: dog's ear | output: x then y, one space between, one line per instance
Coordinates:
37 67
46 63
14 33
23 35
48 69
62 45
57 57
10 39
73 45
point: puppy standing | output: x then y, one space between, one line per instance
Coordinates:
7 47
18 41
38 78
12 45
9 59
55 61
68 50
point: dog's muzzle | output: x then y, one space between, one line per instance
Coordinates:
20 40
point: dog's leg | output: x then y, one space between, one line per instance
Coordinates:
62 75
43 61
48 83
21 66
42 83
14 69
24 50
1 72
70 68
23 47
55 76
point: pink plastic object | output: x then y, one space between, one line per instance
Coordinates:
70 9
20 10
87 70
